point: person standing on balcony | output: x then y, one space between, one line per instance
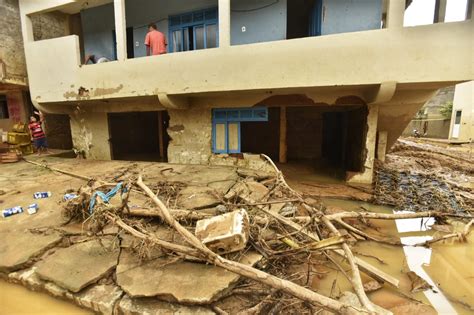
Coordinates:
37 134
155 41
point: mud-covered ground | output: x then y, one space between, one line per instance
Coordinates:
419 175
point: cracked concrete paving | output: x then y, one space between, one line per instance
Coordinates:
18 250
62 271
79 265
176 281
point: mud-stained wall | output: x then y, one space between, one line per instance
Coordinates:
11 44
17 110
191 133
50 25
90 134
58 131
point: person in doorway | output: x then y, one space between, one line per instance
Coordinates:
94 59
37 134
155 41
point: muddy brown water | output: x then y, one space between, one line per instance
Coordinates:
18 300
447 267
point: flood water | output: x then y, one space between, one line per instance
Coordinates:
18 300
447 266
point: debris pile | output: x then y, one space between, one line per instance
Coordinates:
422 177
254 226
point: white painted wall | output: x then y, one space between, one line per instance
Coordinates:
463 101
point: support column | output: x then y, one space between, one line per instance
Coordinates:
160 134
120 29
366 176
440 11
283 145
469 10
224 23
395 13
382 145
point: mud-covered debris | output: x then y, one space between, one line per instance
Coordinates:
225 233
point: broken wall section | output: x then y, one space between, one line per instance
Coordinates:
190 131
90 134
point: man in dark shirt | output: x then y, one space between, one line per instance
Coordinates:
37 133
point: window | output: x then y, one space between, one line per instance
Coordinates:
457 119
192 31
3 107
226 127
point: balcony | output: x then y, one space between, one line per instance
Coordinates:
411 56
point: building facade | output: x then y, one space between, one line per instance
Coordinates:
15 101
13 78
330 82
430 120
462 119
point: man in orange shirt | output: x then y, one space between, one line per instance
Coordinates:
155 41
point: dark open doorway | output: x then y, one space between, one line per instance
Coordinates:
262 137
303 18
139 136
329 140
130 43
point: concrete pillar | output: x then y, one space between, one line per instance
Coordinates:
26 28
120 29
366 176
283 144
440 11
382 145
469 10
224 23
395 13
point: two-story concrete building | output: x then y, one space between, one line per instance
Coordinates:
327 82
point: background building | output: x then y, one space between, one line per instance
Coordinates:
15 101
462 119
430 120
325 83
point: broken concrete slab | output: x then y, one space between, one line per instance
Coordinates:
199 175
101 298
153 306
197 197
18 249
249 191
176 281
255 174
76 267
222 187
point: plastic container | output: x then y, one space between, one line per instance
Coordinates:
42 194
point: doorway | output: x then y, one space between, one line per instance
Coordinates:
139 136
303 18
